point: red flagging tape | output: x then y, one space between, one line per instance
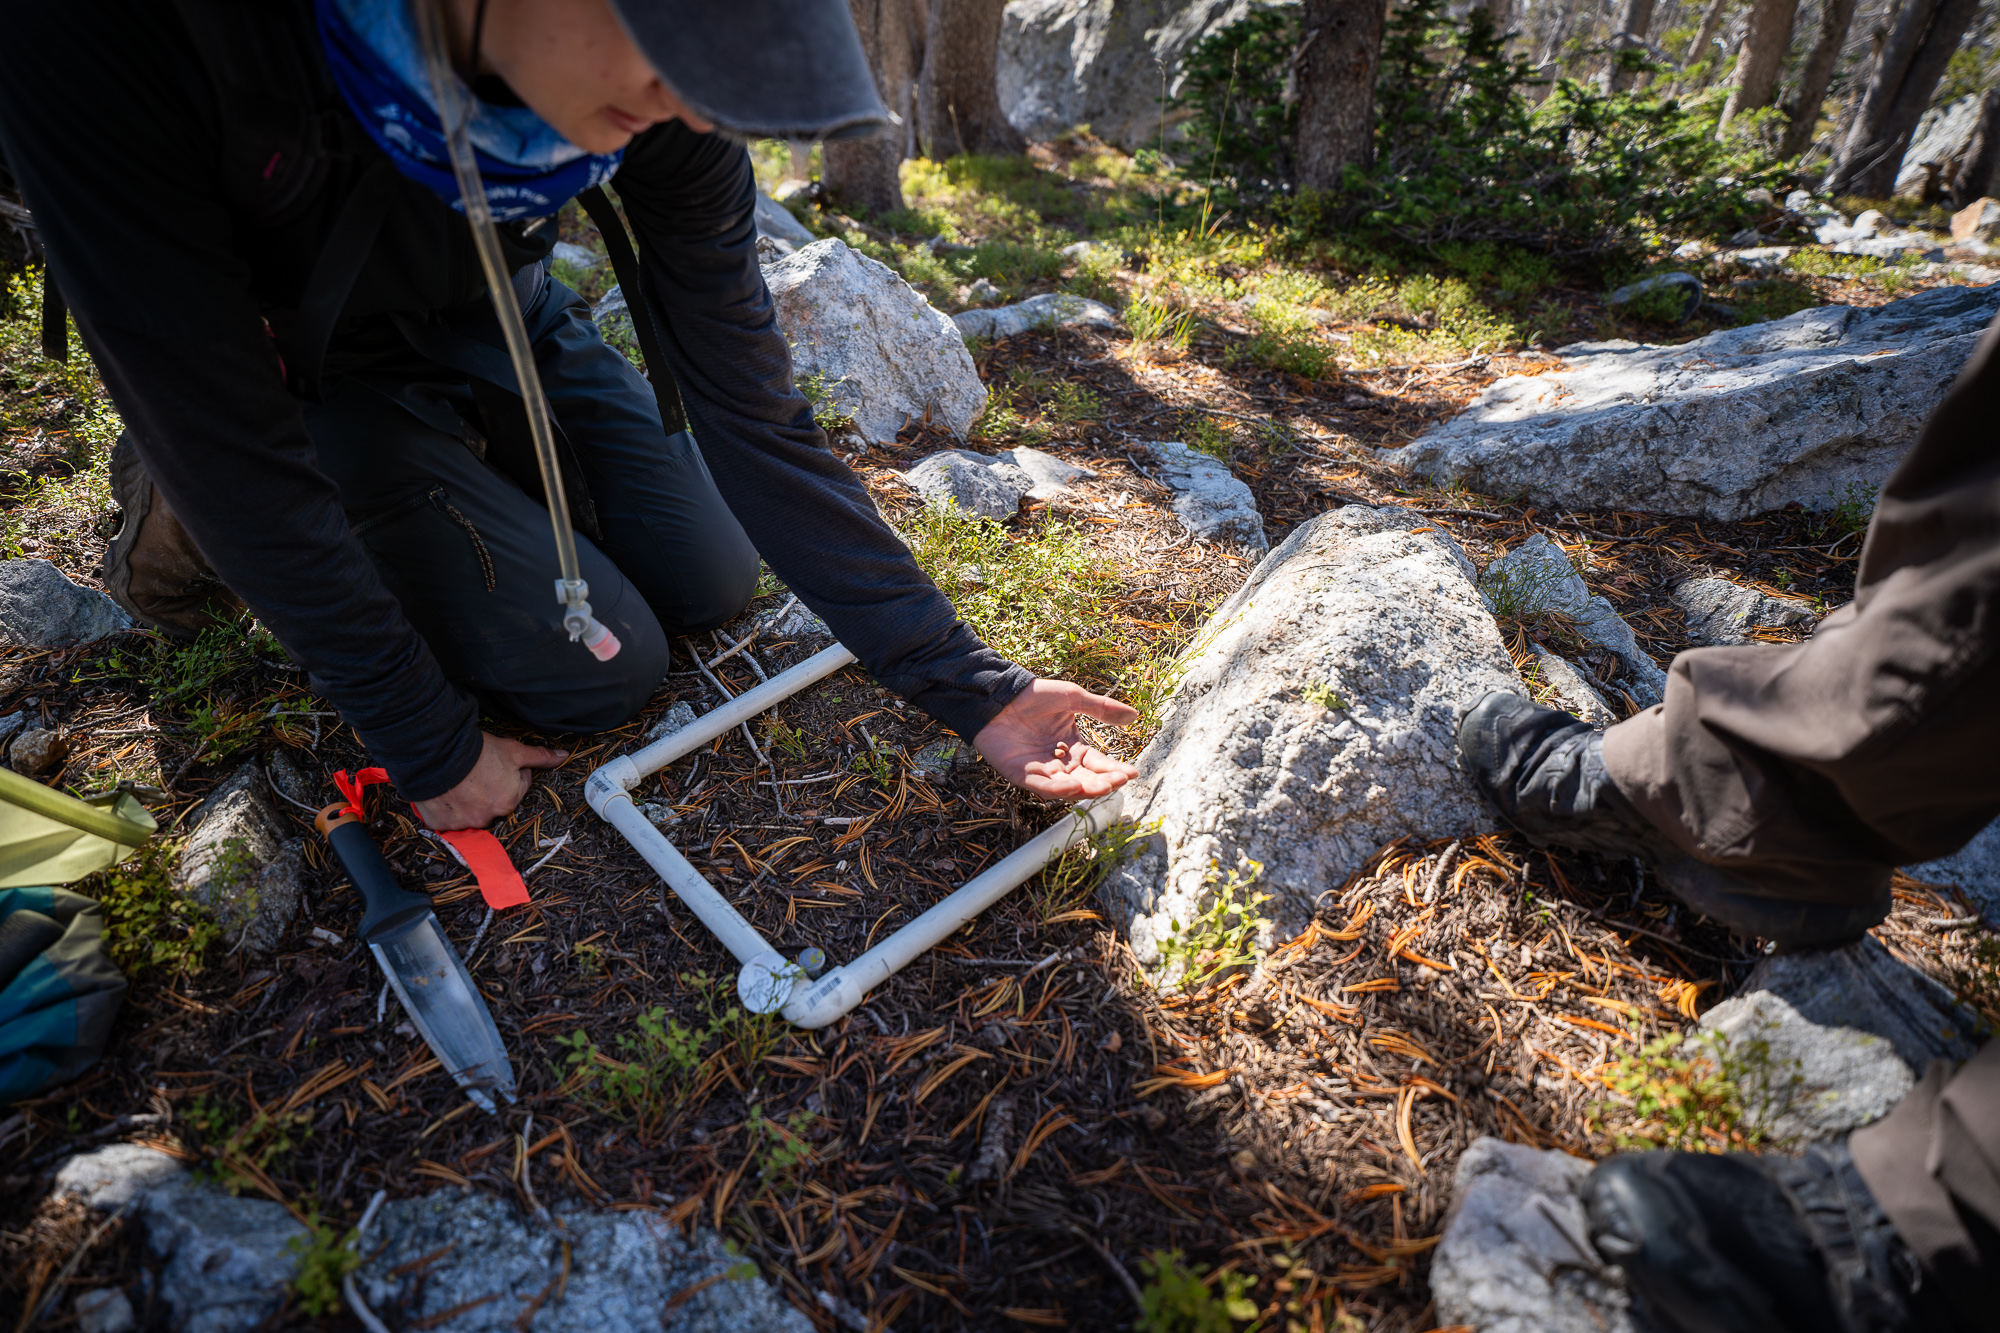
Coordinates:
356 787
499 883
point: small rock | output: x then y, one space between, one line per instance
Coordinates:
678 717
1799 201
575 255
104 1310
779 223
1047 311
1245 766
1689 251
789 634
1977 221
1873 222
1516 1255
1209 499
1760 195
1684 288
41 608
886 356
37 751
242 861
982 292
1764 261
941 758
770 249
1720 612
978 485
1572 690
1536 577
1894 247
1052 476
11 724
289 778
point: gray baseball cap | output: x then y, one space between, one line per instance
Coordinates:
766 69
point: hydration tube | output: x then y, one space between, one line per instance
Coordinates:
454 107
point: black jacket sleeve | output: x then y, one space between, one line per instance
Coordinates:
114 147
690 198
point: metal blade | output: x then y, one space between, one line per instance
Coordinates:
441 1000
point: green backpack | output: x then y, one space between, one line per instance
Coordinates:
59 991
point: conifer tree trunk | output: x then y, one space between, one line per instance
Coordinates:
1763 58
1982 155
958 100
862 173
1900 85
1835 18
1340 49
1704 39
1634 18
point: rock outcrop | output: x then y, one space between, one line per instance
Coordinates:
1516 1255
1314 722
776 221
985 487
882 352
41 608
1720 612
227 1262
1536 578
1047 311
1211 502
1805 408
1973 870
1065 63
243 861
1937 148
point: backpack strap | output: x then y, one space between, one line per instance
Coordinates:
305 334
639 301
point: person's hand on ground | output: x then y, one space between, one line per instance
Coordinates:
496 784
1034 742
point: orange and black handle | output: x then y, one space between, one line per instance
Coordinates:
391 908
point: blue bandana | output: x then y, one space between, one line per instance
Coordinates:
529 170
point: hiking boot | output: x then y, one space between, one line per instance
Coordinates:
1739 1243
152 568
1543 769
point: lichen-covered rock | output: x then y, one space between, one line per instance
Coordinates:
41 608
626 1270
1720 612
1211 502
1065 63
883 353
1556 683
1315 722
1537 577
978 485
1047 311
1810 408
243 861
1516 1255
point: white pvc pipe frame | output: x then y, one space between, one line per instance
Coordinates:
768 981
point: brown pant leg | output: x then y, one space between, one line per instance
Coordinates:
1812 770
1934 1165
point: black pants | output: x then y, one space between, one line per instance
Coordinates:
471 555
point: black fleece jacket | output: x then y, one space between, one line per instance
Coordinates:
110 125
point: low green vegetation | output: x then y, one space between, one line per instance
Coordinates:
149 923
1222 932
1176 1297
326 1256
1693 1093
1038 597
241 1153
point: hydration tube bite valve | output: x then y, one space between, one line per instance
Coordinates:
603 644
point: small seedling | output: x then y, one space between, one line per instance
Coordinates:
1175 1298
325 1257
1219 937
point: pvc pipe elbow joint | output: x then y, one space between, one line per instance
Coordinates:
611 779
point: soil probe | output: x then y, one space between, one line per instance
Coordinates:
768 981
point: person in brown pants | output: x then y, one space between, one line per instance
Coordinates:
1776 790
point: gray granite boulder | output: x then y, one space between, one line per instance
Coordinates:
1554 682
1314 721
1809 408
1211 502
1065 63
1537 577
1052 476
1516 1255
243 861
883 353
41 608
1720 612
1047 311
777 222
1679 294
979 485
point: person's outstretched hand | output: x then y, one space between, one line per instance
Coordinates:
496 784
1034 742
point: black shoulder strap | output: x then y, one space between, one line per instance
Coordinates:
304 336
626 265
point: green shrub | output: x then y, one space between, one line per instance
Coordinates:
1234 82
1175 1299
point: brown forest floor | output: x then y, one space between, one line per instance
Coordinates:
1009 1127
